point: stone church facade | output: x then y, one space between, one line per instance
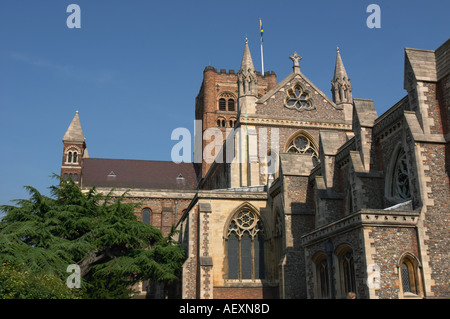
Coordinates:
309 196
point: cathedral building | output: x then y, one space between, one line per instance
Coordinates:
309 196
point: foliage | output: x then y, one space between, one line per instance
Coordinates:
18 283
101 234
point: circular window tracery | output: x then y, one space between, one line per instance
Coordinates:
303 145
298 99
245 221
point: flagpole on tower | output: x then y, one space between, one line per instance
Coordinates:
262 56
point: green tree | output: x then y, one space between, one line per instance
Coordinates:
101 234
18 283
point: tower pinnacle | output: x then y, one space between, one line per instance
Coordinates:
247 79
247 62
74 133
340 85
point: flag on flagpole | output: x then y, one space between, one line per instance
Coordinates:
262 56
261 30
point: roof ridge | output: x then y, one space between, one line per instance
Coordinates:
140 160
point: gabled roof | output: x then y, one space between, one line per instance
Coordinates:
74 133
123 173
289 78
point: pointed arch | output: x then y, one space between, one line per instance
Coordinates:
244 237
397 182
410 274
321 275
346 268
302 142
301 133
243 206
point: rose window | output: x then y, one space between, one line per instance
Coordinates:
298 99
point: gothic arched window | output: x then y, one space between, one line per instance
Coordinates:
322 276
346 269
75 157
303 145
400 178
409 274
245 246
69 157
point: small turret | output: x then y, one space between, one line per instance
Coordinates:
74 151
247 78
341 89
340 85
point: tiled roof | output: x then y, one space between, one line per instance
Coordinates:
119 173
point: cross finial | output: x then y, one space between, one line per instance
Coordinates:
295 58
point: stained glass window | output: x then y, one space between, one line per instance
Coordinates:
245 246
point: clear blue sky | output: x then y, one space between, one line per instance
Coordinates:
134 68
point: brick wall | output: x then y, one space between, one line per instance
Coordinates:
390 244
298 219
190 284
351 238
434 112
163 211
214 84
437 218
323 111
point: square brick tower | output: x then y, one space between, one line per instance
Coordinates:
216 104
74 151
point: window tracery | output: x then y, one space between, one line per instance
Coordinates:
298 99
400 177
303 145
245 246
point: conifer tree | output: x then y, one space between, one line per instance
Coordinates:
99 233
